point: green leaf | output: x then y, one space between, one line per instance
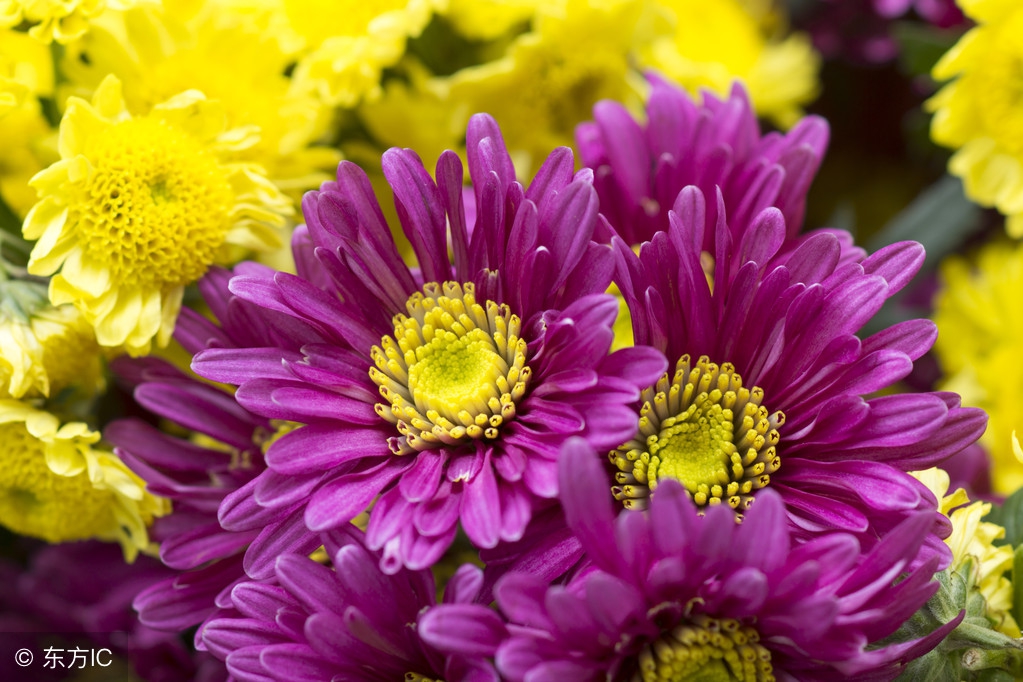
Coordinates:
921 45
1010 517
1017 584
941 219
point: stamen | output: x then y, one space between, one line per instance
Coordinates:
706 650
705 430
453 370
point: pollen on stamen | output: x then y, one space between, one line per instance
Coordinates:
704 429
453 371
706 648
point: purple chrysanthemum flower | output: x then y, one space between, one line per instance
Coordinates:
84 591
446 390
861 30
771 383
203 479
639 170
760 323
350 623
675 595
943 13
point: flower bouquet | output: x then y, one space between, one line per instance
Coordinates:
489 340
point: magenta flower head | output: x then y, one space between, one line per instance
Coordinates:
676 595
201 477
639 169
350 623
770 382
442 392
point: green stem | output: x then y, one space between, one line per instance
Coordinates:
1010 660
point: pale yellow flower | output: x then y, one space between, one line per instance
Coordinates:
55 20
979 313
418 114
349 44
26 72
973 538
701 44
157 54
140 206
27 145
577 54
489 19
978 113
44 350
55 485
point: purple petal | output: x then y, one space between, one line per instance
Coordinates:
296 662
312 584
896 263
464 586
316 448
586 497
287 536
420 482
465 629
340 500
480 509
420 208
484 158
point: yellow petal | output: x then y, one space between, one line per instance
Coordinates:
114 328
85 274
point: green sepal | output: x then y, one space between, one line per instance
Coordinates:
974 650
20 299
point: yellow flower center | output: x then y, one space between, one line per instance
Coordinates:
37 502
416 677
705 430
1000 84
562 87
706 650
453 370
155 209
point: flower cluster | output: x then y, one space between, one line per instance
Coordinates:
495 340
977 114
721 496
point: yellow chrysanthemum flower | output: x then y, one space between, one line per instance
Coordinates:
157 54
27 145
44 350
978 113
349 44
702 44
980 331
488 19
59 20
577 54
26 71
972 537
417 114
56 486
139 207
